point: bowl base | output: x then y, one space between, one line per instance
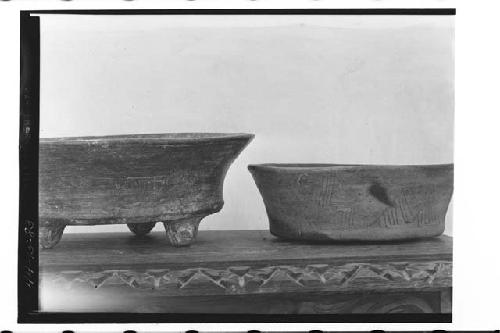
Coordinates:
404 233
141 229
50 234
182 232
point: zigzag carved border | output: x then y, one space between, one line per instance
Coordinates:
246 279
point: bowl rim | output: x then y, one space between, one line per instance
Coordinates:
167 138
294 167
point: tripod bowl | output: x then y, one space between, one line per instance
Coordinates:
136 180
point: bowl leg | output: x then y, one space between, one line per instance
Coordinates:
50 233
182 232
141 229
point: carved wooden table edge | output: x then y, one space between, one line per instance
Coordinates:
270 279
253 276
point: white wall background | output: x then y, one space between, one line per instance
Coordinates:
339 89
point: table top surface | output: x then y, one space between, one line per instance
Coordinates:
215 248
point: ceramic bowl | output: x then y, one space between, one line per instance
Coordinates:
137 180
335 202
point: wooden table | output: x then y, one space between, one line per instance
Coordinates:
244 272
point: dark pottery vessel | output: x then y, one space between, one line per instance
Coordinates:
137 180
335 202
